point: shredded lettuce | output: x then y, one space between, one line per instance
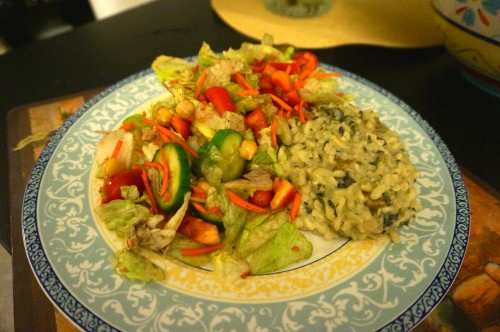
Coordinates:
220 73
320 90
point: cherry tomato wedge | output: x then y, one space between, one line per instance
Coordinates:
261 198
112 185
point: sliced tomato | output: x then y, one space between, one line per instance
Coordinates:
284 194
261 198
112 185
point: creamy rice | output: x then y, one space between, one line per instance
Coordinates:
353 173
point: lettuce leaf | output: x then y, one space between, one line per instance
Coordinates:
135 267
121 215
169 68
288 246
258 231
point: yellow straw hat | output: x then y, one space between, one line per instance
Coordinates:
392 23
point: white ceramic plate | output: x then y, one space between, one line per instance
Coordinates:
365 285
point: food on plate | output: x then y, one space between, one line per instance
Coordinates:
353 173
246 152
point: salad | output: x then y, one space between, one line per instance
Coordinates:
196 175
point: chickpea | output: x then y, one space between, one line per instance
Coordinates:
111 166
164 116
204 185
185 109
248 148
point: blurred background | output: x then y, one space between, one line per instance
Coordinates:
25 21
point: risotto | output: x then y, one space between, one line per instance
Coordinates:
354 174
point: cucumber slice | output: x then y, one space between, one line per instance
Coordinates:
178 179
220 159
212 218
228 142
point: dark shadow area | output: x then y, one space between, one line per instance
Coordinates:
24 21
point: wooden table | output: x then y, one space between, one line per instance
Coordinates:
476 310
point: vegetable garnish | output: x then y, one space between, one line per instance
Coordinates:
198 192
245 204
127 126
202 250
154 164
117 149
199 207
274 135
168 133
166 172
240 79
295 206
323 75
199 86
149 191
281 103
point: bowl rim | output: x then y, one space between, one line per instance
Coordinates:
462 27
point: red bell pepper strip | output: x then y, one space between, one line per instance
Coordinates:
282 80
292 98
220 98
245 204
256 120
308 61
181 126
199 230
284 194
291 67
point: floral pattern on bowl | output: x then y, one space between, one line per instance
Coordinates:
471 33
